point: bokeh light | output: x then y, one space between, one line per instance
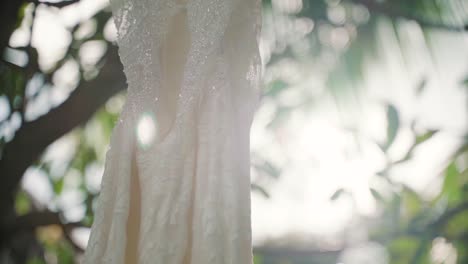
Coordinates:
146 130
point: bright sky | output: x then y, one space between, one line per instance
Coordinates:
316 154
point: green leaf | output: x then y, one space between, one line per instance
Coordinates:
465 82
21 13
276 87
88 220
451 187
65 253
393 124
258 188
281 114
382 173
258 259
457 225
403 247
337 194
421 87
424 137
395 209
268 168
58 185
377 196
411 201
22 203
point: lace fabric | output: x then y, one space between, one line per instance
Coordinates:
193 72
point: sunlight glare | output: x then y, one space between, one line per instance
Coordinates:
146 130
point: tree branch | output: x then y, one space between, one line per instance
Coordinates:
56 4
448 215
42 218
388 9
31 221
34 137
9 14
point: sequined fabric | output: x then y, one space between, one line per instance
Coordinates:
192 69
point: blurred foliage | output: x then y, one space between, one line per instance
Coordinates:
409 226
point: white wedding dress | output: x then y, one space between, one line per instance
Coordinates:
176 186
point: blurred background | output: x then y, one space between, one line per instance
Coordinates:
359 147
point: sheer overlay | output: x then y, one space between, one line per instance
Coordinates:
176 185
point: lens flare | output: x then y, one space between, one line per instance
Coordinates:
146 130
